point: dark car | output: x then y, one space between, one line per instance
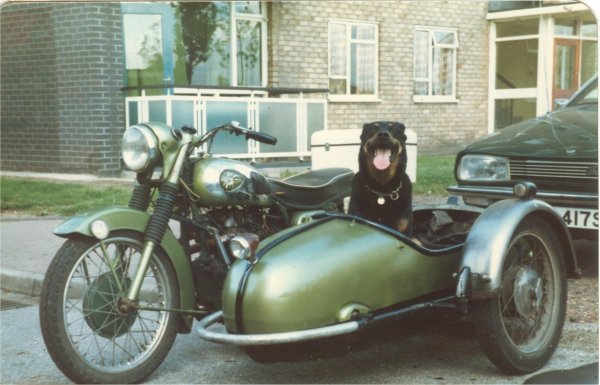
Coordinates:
558 152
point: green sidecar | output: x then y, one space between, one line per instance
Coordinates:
504 268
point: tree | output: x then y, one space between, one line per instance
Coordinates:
198 23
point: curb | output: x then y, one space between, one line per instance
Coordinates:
21 282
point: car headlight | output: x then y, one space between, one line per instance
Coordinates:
139 148
483 168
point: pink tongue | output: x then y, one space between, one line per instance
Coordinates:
382 158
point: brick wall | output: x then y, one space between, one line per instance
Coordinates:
62 67
29 121
298 50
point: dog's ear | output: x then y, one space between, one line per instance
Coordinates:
399 128
367 131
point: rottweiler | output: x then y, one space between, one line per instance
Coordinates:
381 189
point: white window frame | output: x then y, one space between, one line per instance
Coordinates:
234 16
429 98
347 96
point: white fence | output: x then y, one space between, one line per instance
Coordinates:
291 120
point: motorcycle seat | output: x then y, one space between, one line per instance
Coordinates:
313 189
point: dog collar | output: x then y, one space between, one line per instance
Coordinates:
394 195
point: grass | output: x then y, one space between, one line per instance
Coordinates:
39 197
434 174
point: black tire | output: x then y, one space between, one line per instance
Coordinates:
520 328
87 339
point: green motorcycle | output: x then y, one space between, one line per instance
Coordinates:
129 279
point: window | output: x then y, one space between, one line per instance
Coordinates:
435 65
352 61
575 54
208 43
515 71
221 43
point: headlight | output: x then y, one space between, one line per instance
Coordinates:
99 229
483 168
243 246
138 148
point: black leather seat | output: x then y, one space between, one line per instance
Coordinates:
313 189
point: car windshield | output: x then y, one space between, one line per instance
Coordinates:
588 96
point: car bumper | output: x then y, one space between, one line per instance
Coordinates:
579 210
559 198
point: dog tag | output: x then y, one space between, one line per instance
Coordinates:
381 200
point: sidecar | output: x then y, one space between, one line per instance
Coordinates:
504 268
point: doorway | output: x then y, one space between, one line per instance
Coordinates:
566 68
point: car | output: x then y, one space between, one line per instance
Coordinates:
558 152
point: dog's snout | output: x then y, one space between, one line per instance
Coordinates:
383 134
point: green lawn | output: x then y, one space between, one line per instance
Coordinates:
39 197
434 174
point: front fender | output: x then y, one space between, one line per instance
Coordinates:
488 241
124 218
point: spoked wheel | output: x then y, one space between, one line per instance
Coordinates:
89 335
520 328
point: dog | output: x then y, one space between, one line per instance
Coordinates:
381 189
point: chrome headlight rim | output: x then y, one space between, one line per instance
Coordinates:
243 246
150 145
483 168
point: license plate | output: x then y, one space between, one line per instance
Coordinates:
579 218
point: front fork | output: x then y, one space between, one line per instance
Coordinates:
157 225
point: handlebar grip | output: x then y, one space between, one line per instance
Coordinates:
261 137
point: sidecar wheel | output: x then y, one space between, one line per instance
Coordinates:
87 338
520 328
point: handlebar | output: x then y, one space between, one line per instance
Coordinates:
261 137
235 128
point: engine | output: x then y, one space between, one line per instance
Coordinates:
208 267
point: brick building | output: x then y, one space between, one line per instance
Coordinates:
431 65
61 105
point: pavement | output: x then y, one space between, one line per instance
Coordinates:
27 245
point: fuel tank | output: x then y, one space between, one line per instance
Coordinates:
221 181
321 273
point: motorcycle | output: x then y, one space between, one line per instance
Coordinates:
123 285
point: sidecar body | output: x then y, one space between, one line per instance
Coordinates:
338 273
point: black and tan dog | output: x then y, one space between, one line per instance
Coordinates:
381 190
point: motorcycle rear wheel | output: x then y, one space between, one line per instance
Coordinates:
519 329
87 338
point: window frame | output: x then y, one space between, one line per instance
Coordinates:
261 17
349 41
430 98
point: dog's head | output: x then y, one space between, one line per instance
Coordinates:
383 150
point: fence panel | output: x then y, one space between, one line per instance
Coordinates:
291 120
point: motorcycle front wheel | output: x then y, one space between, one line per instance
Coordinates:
87 337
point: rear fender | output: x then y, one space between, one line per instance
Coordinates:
123 218
488 241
